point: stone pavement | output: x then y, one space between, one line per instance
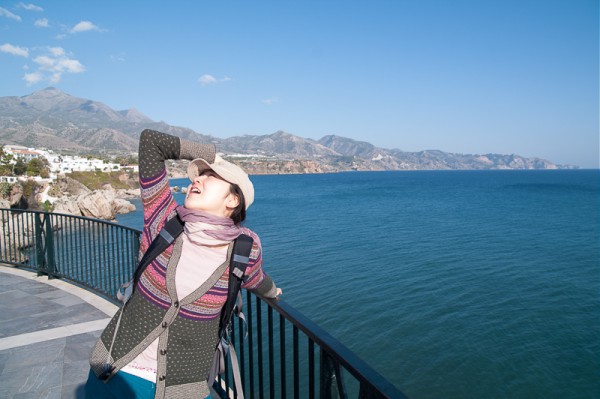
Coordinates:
47 330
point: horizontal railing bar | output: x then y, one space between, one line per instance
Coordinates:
100 221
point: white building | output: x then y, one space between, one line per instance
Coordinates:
17 151
59 164
69 164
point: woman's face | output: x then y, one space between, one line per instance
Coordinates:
210 193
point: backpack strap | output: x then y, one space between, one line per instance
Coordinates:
169 232
239 262
237 269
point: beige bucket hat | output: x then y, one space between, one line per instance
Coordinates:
228 171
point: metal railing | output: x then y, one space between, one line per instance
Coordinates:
96 254
285 355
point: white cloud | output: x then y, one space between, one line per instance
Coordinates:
14 50
5 13
30 7
69 65
117 58
44 61
207 79
57 51
52 65
270 101
84 26
33 78
41 23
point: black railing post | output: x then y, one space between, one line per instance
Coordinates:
44 244
311 368
368 392
39 244
331 384
49 246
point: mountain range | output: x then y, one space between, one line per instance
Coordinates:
53 119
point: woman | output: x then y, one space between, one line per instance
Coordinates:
166 336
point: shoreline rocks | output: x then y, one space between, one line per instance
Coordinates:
100 204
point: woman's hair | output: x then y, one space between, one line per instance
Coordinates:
239 213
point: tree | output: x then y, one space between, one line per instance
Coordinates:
126 160
5 163
37 167
20 167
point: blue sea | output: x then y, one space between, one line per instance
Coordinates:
452 284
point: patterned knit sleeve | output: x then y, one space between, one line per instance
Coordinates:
154 149
256 279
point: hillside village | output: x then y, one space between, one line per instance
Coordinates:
33 178
56 163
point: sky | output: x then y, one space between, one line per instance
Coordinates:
462 76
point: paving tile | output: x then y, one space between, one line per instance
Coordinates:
27 303
75 391
76 314
48 393
84 338
42 353
9 294
33 381
32 287
52 294
69 300
19 325
75 372
4 355
79 352
27 322
44 316
56 368
7 284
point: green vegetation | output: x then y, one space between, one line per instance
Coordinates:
126 160
35 167
5 166
38 167
95 180
30 190
5 189
47 206
19 168
55 190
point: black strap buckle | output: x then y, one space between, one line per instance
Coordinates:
107 370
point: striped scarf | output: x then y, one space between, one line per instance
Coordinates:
206 229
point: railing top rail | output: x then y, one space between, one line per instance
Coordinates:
101 221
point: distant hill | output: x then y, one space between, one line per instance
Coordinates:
53 119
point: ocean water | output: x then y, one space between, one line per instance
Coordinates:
452 284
